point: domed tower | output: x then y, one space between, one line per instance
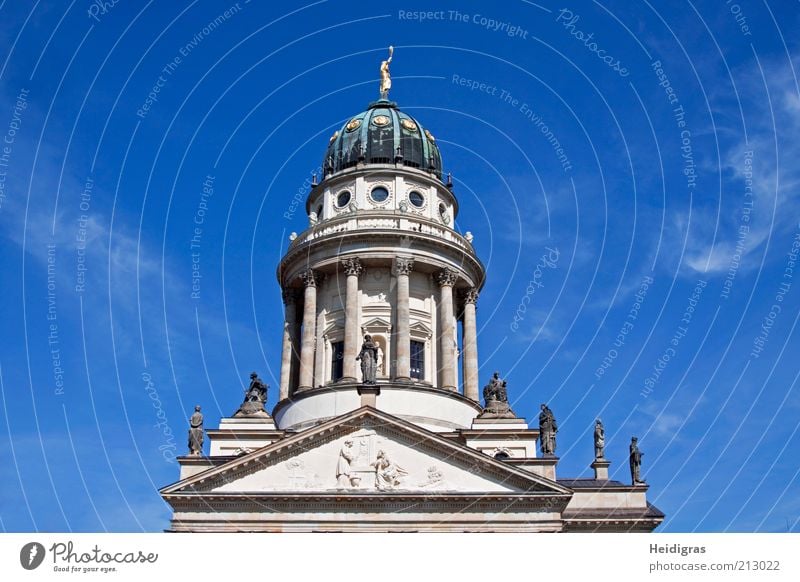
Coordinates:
372 431
381 258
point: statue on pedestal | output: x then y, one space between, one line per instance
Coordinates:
369 360
196 433
599 439
547 430
254 397
635 462
495 396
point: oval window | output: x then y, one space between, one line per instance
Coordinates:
379 194
343 199
416 199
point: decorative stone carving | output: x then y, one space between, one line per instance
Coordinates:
311 278
495 396
635 459
599 439
470 295
435 478
196 433
299 477
369 360
547 431
388 475
346 455
352 266
446 277
403 265
254 398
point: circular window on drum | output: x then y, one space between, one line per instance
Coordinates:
416 199
379 194
343 198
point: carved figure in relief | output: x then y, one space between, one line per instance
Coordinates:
346 456
387 474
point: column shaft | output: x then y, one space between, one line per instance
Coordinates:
352 268
403 268
447 279
470 338
309 330
290 314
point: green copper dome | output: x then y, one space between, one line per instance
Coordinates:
382 135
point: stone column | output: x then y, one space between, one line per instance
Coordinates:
289 324
319 352
352 268
310 279
447 279
403 267
470 339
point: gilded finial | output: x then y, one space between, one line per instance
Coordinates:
386 79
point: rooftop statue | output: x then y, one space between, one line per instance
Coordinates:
254 397
495 396
386 79
196 433
547 430
599 439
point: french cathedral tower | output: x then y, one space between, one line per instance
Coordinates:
375 429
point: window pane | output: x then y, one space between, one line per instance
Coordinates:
418 360
337 365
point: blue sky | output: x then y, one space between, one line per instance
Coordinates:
653 165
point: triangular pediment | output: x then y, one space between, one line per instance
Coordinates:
365 451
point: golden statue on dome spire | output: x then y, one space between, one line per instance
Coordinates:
386 79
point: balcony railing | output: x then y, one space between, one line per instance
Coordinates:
380 220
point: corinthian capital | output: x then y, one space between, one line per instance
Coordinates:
403 265
311 278
352 266
446 277
470 295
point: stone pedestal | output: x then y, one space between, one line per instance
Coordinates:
242 434
193 464
600 467
369 394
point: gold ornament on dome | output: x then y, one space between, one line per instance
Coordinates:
386 77
334 136
409 125
353 125
429 135
380 120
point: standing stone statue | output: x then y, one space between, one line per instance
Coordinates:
369 360
495 396
636 462
599 439
196 433
254 397
547 430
